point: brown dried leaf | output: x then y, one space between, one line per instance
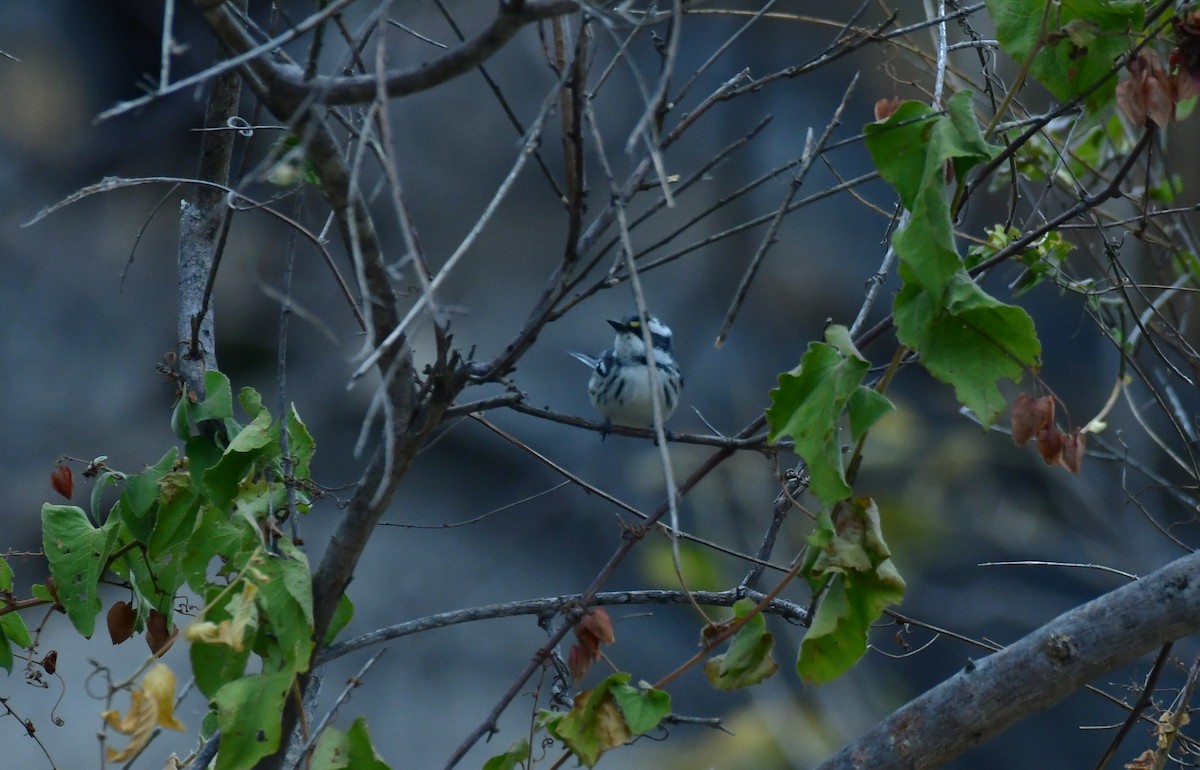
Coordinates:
1148 93
1030 415
157 636
1050 445
599 624
884 108
578 662
1072 450
63 481
120 622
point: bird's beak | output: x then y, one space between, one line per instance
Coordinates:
618 326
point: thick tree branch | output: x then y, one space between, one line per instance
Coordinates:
203 223
1043 668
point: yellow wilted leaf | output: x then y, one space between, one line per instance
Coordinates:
228 632
150 705
159 684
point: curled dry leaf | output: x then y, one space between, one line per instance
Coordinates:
158 638
885 107
1149 93
597 623
1050 445
578 662
63 481
593 629
1072 450
50 662
120 622
1031 415
152 705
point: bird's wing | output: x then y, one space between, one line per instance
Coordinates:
591 361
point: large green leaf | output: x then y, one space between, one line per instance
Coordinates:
967 339
599 722
1074 42
963 336
285 603
852 561
347 749
78 553
749 659
248 712
809 403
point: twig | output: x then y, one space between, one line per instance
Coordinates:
531 141
351 685
811 151
552 605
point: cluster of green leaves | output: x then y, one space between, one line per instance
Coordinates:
848 561
606 716
963 336
1042 258
202 522
1069 46
960 334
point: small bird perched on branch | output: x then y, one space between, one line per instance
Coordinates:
620 383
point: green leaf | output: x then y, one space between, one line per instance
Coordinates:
13 627
178 506
595 724
300 444
337 749
332 751
141 490
341 618
78 553
252 444
106 479
808 405
180 425
969 340
748 660
215 535
963 336
854 563
140 496
251 401
512 759
285 602
218 401
215 665
6 653
6 577
644 708
866 407
918 172
1077 46
363 755
248 712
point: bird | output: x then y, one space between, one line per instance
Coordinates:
620 384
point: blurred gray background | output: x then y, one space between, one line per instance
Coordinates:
79 345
